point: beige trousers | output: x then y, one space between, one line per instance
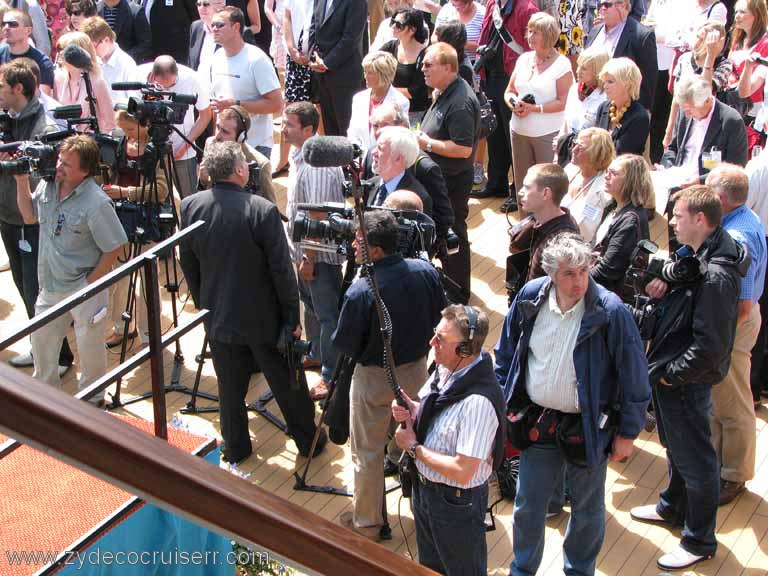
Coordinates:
733 412
370 414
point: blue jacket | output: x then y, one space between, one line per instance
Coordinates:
608 339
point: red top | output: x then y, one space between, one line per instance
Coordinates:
760 48
516 23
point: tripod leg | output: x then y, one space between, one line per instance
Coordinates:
191 405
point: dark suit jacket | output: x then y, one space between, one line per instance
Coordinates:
726 131
637 43
630 135
170 27
338 38
410 182
196 37
132 30
252 292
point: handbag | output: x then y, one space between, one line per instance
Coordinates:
488 120
565 147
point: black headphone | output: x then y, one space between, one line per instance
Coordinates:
464 349
243 124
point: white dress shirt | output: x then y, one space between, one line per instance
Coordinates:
697 130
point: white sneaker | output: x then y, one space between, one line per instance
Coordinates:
478 176
22 360
679 559
647 513
63 370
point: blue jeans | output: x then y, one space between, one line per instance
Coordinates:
683 418
321 313
542 468
450 528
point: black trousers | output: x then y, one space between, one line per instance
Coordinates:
24 271
459 267
759 369
662 104
335 104
499 145
234 364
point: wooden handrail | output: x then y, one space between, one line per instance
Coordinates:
72 430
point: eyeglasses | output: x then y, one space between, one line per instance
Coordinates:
203 4
75 13
218 25
10 23
606 5
397 24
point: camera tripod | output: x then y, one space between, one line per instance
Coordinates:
151 225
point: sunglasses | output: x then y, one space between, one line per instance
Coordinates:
606 5
428 65
10 23
59 225
203 4
75 13
397 24
218 25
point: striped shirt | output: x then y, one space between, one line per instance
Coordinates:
745 227
550 376
467 427
310 185
449 14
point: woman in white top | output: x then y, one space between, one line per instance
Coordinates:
536 93
586 199
379 72
585 95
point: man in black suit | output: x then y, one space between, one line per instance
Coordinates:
252 295
169 22
336 49
620 36
706 126
130 26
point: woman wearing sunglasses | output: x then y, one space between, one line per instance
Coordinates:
408 48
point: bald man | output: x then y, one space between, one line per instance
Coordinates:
404 200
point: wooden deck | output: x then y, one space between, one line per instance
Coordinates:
630 548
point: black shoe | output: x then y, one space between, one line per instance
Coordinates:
488 193
322 440
510 205
390 468
729 491
235 458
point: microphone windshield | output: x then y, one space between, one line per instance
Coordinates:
129 86
76 56
328 151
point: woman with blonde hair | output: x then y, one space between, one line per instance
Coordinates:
69 84
628 181
586 199
536 94
622 114
379 71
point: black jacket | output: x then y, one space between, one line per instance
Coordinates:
693 336
628 227
169 25
630 135
726 131
238 265
196 37
638 43
532 239
411 183
338 38
132 30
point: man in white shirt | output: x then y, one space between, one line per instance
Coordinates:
116 64
241 74
173 77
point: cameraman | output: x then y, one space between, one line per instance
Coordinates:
80 239
18 86
232 125
413 295
252 295
689 352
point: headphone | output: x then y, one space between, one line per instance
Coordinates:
243 124
464 349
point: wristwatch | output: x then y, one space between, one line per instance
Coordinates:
237 102
429 146
411 451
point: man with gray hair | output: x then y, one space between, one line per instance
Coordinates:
707 129
395 152
252 296
572 391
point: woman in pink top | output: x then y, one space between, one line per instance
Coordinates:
69 85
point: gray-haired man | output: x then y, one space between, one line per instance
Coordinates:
575 381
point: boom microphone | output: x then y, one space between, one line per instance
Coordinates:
127 86
328 151
76 56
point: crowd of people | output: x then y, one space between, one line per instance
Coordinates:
601 107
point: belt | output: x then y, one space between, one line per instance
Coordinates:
458 491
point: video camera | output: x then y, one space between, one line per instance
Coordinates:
153 108
335 233
254 173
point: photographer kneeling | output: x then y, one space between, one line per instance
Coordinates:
689 352
252 296
18 89
413 296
